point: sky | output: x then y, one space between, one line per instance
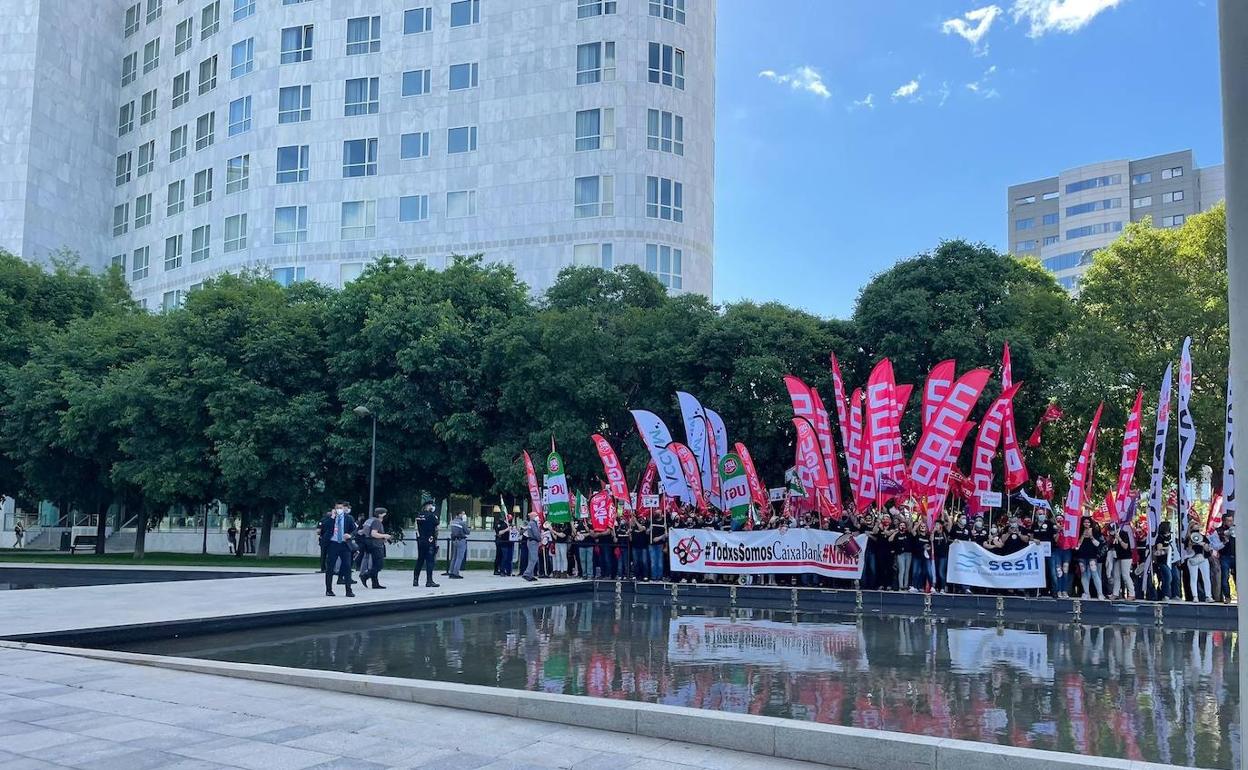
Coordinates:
851 134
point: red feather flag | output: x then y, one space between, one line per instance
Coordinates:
1052 413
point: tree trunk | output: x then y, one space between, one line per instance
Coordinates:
266 528
140 531
101 525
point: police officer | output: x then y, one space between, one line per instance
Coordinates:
426 545
337 529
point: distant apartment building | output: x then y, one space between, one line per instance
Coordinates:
1063 220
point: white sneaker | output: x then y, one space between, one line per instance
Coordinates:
912 590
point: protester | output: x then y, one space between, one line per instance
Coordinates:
1198 566
1088 552
560 534
1122 552
373 539
658 546
583 539
1226 555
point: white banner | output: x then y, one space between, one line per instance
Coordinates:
767 551
805 647
972 565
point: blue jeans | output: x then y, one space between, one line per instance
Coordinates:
1061 557
1050 566
942 567
924 573
641 562
624 562
606 561
1169 578
868 570
1228 566
586 553
656 561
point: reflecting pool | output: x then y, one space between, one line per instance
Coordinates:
1114 690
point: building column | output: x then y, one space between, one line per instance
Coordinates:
1233 34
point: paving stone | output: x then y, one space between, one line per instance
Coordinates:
135 759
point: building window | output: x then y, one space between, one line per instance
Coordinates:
1068 260
665 263
292 164
667 66
1144 178
461 139
290 225
147 110
665 132
1025 246
125 118
297 44
589 8
1048 219
1172 197
595 129
240 116
595 62
416 82
182 36
1024 200
1174 221
594 196
207 74
147 158
172 299
142 211
417 20
461 203
123 168
129 68
665 199
1093 183
294 104
288 275
138 264
175 198
349 271
414 145
133 14
1097 229
465 12
1171 173
235 233
1090 206
151 55
594 255
237 174
173 252
463 76
205 130
1049 196
243 9
361 97
1024 224
181 89
119 260
672 10
242 57
1139 203
201 238
177 143
210 20
359 220
359 158
413 208
363 35
1049 240
202 192
121 219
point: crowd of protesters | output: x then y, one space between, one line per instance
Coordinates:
1107 561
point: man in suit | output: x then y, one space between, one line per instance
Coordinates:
533 539
337 529
426 545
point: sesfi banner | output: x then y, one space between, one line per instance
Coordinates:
972 565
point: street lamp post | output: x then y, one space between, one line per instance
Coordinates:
363 411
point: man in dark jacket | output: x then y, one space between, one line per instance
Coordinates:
337 529
426 545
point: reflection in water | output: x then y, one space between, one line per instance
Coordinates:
1126 691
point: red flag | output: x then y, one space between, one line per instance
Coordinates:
758 493
535 491
939 381
901 396
947 475
1044 485
1130 454
809 463
617 484
1103 514
883 435
1052 413
990 431
857 456
601 511
827 448
1216 509
1077 495
1015 469
940 434
648 485
689 466
842 409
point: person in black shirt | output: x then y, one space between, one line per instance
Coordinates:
1226 555
502 543
426 545
1088 552
980 535
921 556
623 541
1122 550
940 554
903 556
1043 531
657 542
1012 540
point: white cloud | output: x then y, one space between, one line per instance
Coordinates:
1046 16
942 94
906 90
973 25
981 87
804 78
867 103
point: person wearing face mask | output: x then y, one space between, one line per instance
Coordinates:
1121 550
959 529
1088 552
979 533
1198 566
1163 544
1226 556
903 554
1043 531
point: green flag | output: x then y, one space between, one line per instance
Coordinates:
556 488
734 487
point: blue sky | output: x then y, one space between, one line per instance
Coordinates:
815 193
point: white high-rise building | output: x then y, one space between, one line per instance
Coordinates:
184 138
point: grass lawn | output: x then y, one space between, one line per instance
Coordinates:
225 561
